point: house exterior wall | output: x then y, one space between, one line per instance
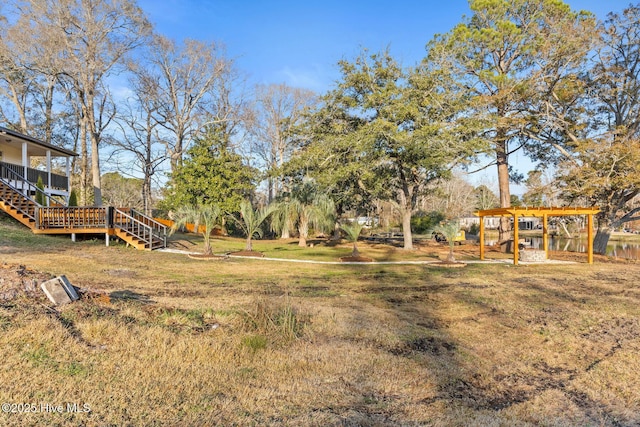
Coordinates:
11 154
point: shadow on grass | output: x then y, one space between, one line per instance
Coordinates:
127 295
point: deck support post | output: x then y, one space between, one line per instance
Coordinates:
590 238
516 249
73 237
545 236
106 239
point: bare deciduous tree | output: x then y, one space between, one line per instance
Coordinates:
88 40
186 76
139 135
277 111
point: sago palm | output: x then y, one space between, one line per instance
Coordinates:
250 221
352 232
207 216
449 230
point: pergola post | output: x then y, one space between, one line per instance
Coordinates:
545 236
516 250
481 238
590 238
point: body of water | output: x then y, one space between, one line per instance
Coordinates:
615 248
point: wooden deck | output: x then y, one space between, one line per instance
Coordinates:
136 229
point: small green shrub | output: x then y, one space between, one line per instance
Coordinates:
40 198
73 199
422 222
474 229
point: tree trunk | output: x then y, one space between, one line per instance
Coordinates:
84 166
406 228
270 192
207 246
146 194
336 232
286 234
504 230
601 240
450 257
303 231
249 245
95 171
355 252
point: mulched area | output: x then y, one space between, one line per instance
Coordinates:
254 254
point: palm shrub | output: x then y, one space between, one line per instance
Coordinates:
283 219
250 221
450 230
207 216
305 207
352 232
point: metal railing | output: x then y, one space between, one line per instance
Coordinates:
151 232
22 192
58 182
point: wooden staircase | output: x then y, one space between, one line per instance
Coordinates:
140 231
17 205
134 228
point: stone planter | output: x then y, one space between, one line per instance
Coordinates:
533 255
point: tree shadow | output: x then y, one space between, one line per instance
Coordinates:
465 385
127 295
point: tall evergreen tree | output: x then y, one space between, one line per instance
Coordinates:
521 60
210 174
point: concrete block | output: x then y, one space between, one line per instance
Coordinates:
59 290
54 290
71 291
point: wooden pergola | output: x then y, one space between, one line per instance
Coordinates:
545 213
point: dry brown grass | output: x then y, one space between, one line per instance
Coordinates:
252 342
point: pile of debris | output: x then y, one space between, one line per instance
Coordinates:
18 281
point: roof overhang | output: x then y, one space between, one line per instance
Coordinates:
35 146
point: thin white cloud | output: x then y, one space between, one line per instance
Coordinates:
315 78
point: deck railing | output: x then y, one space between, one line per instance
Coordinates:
58 182
15 181
151 232
69 218
159 230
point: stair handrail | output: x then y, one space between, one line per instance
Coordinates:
148 234
19 178
159 228
156 225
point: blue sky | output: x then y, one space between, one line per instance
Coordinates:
300 42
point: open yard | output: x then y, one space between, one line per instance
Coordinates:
184 342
